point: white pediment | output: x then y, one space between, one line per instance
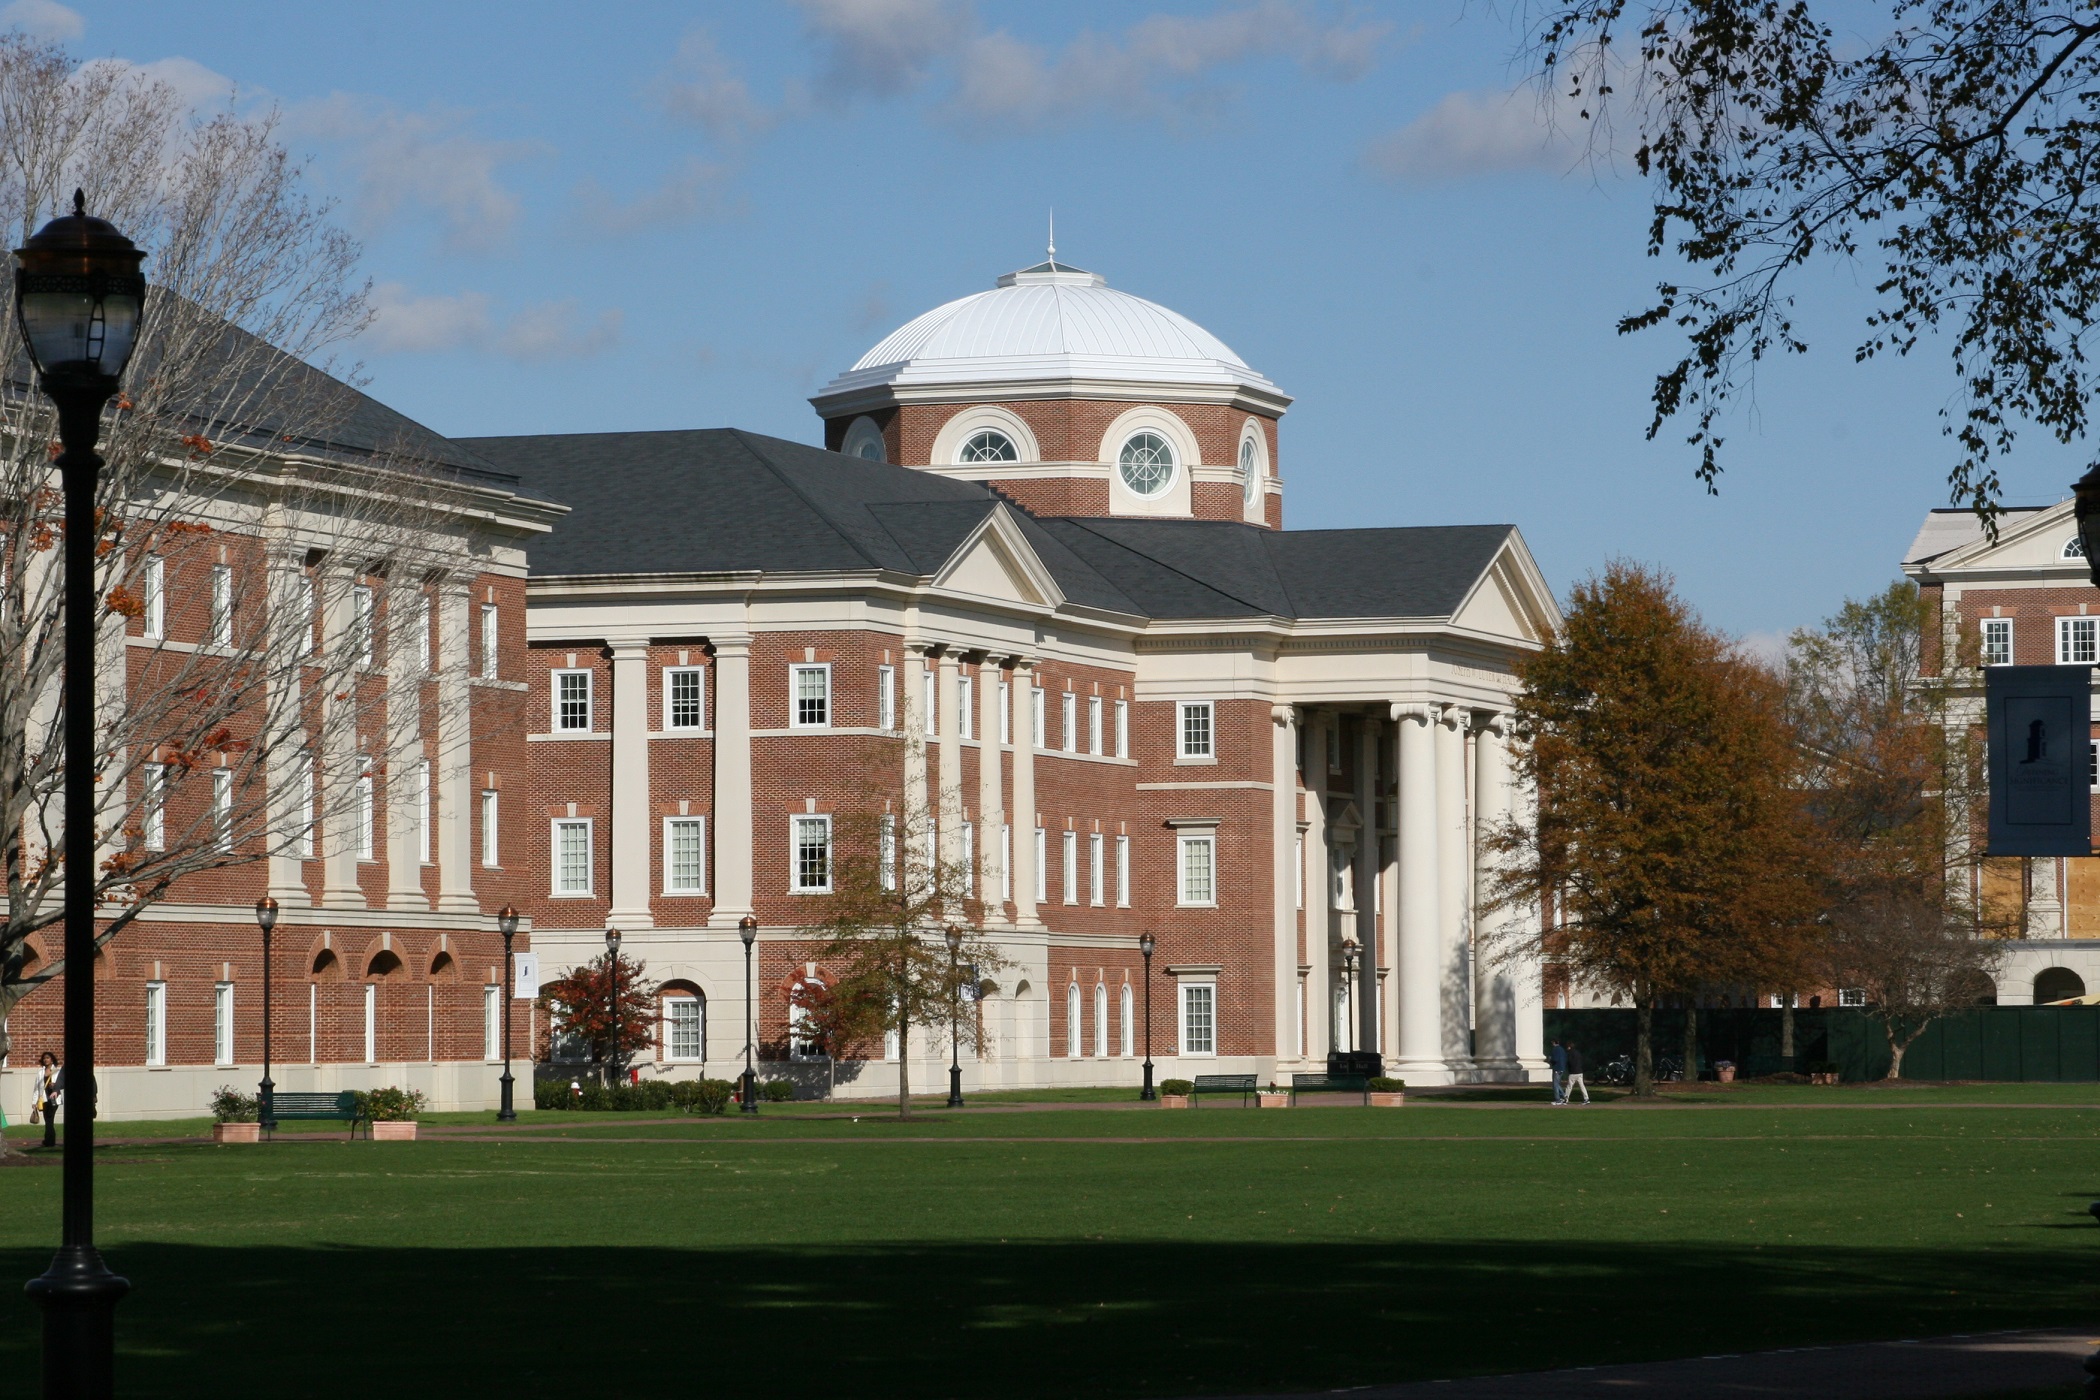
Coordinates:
2026 543
996 563
1510 599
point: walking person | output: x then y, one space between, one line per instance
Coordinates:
1575 1078
1557 1058
50 1083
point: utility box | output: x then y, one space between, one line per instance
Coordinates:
2039 727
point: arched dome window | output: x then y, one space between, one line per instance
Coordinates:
870 450
2074 548
988 446
1147 464
1250 473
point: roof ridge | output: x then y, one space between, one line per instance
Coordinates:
745 437
1080 522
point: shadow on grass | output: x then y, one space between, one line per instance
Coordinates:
1008 1320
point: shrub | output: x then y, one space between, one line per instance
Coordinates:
1382 1085
706 1095
777 1090
390 1105
649 1096
1177 1086
230 1105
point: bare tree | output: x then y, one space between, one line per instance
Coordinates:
1915 959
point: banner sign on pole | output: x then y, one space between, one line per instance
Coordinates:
525 982
2039 747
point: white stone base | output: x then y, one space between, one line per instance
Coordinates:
131 1093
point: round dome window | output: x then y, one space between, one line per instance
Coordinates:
989 446
1250 473
1147 464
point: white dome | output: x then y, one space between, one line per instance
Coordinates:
1056 324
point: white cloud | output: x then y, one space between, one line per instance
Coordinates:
43 19
693 191
421 159
1478 133
1768 647
405 323
703 89
884 47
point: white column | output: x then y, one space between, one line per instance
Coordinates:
1529 975
1367 865
1495 963
455 757
631 845
340 837
917 858
282 595
949 800
733 860
1024 813
1454 878
406 662
1319 892
1283 843
2045 905
991 799
1420 1043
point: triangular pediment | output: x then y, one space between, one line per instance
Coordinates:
2033 541
997 563
1510 599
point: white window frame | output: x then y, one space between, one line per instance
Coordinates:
969 860
491 1022
1101 1020
1122 729
966 696
156 1023
2070 642
933 702
222 1023
222 808
796 823
1122 872
1006 863
153 806
1042 866
371 1023
672 825
1096 870
886 698
1188 1042
1093 725
1068 712
796 672
1186 710
424 824
1006 713
1852 996
308 605
1184 843
491 829
673 676
420 623
308 790
367 810
886 850
1075 1038
489 641
1127 1004
1997 639
555 828
671 1028
221 634
364 617
1068 851
556 717
1298 875
153 584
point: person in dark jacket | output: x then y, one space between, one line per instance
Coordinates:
1575 1077
1557 1057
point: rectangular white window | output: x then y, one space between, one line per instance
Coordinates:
1093 725
153 807
303 810
1101 1020
2075 640
933 727
1199 875
1006 713
490 851
303 643
419 631
422 811
1073 1040
886 697
969 860
222 1023
492 1022
1006 863
683 1039
1199 1018
364 608
1852 996
1298 875
1096 873
1122 872
1069 712
966 688
572 857
1997 641
1124 1021
685 855
221 605
156 1023
489 650
572 702
371 1023
153 580
1042 866
809 842
1070 853
811 688
1195 729
367 812
685 698
886 856
222 808
1122 729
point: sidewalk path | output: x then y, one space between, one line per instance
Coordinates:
1985 1364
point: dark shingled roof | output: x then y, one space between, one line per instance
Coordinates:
709 500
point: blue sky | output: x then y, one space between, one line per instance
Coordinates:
654 215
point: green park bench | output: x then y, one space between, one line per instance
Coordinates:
1241 1084
1330 1084
342 1107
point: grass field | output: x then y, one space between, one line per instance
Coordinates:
1040 1250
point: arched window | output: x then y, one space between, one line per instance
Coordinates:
1101 1019
1250 473
1127 1021
803 1041
385 963
988 446
1072 1041
2057 984
2074 548
685 1022
1146 463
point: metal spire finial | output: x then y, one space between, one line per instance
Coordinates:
1053 233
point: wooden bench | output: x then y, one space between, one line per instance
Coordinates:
1330 1084
342 1107
1241 1084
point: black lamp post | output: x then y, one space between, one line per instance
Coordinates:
954 936
1148 1094
747 929
612 970
78 298
266 1100
1350 948
507 923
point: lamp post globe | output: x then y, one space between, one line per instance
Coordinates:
266 1095
747 929
79 298
953 935
1147 1094
612 972
507 925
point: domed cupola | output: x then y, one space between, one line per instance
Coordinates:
1070 396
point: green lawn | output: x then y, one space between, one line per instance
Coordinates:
1047 1251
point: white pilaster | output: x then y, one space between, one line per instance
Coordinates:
1319 891
1495 963
1420 1043
991 799
1024 813
406 661
1367 866
455 756
949 800
290 630
631 845
732 824
1454 876
1530 973
340 721
918 859
1283 823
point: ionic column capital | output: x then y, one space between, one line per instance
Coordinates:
1284 715
1424 715
1454 717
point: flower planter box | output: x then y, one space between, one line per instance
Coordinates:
236 1132
1393 1099
1822 1079
1726 1074
1173 1100
1273 1100
393 1132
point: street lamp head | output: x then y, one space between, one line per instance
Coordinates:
78 296
507 920
2086 492
747 929
266 913
1350 948
1146 945
954 936
612 941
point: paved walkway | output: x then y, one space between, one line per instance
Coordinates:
1941 1366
